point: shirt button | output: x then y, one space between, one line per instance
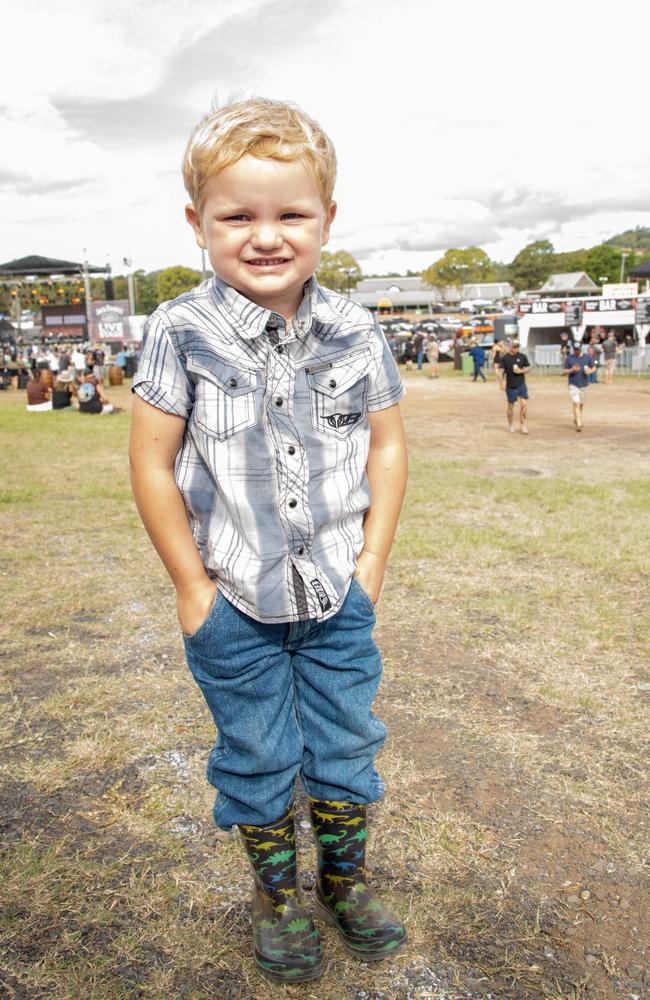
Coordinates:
291 450
232 382
301 550
293 503
278 401
332 383
279 349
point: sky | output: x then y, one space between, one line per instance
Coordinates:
455 124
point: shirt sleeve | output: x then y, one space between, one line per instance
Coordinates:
161 379
385 388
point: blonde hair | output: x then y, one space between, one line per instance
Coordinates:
260 127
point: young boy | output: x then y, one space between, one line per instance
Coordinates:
269 466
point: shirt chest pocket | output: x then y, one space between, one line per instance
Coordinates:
338 392
225 396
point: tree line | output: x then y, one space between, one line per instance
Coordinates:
458 266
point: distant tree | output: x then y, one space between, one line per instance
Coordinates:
7 306
500 271
338 271
97 288
120 286
570 261
146 291
174 281
456 267
604 262
532 265
631 239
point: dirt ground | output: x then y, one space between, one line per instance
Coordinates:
514 834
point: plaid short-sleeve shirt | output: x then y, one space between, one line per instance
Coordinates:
272 467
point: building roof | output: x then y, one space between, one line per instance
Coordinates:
412 283
412 291
573 281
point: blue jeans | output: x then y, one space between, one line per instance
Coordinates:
288 699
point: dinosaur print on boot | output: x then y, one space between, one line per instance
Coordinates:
286 945
343 898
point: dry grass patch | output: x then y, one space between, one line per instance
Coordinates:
514 836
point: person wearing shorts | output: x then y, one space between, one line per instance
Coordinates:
578 367
610 350
515 366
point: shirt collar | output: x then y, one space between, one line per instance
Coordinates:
250 320
332 312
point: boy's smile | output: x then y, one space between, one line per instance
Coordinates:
263 224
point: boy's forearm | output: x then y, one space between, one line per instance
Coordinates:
387 473
386 469
161 507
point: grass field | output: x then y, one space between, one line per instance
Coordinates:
514 624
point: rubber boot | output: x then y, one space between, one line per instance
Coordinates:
343 899
286 945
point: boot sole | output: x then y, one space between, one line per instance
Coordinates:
278 977
328 918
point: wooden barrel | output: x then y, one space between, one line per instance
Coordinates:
115 375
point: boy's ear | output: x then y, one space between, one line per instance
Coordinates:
329 219
192 217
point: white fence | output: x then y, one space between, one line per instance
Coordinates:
631 360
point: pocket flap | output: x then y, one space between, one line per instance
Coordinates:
222 373
336 377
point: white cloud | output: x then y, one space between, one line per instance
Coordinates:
453 125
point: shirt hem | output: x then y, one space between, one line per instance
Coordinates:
252 612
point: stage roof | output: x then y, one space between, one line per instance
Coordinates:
25 266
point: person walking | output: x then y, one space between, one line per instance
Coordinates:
418 347
408 354
611 351
78 360
499 348
477 354
516 366
578 368
433 354
594 352
566 344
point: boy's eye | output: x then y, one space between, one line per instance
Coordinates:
237 218
291 215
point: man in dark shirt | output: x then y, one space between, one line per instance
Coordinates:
566 344
515 365
418 346
578 367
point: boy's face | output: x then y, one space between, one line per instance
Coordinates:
263 224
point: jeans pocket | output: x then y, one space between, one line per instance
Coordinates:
206 621
364 596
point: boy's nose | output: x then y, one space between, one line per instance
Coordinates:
266 236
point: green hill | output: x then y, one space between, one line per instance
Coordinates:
631 239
